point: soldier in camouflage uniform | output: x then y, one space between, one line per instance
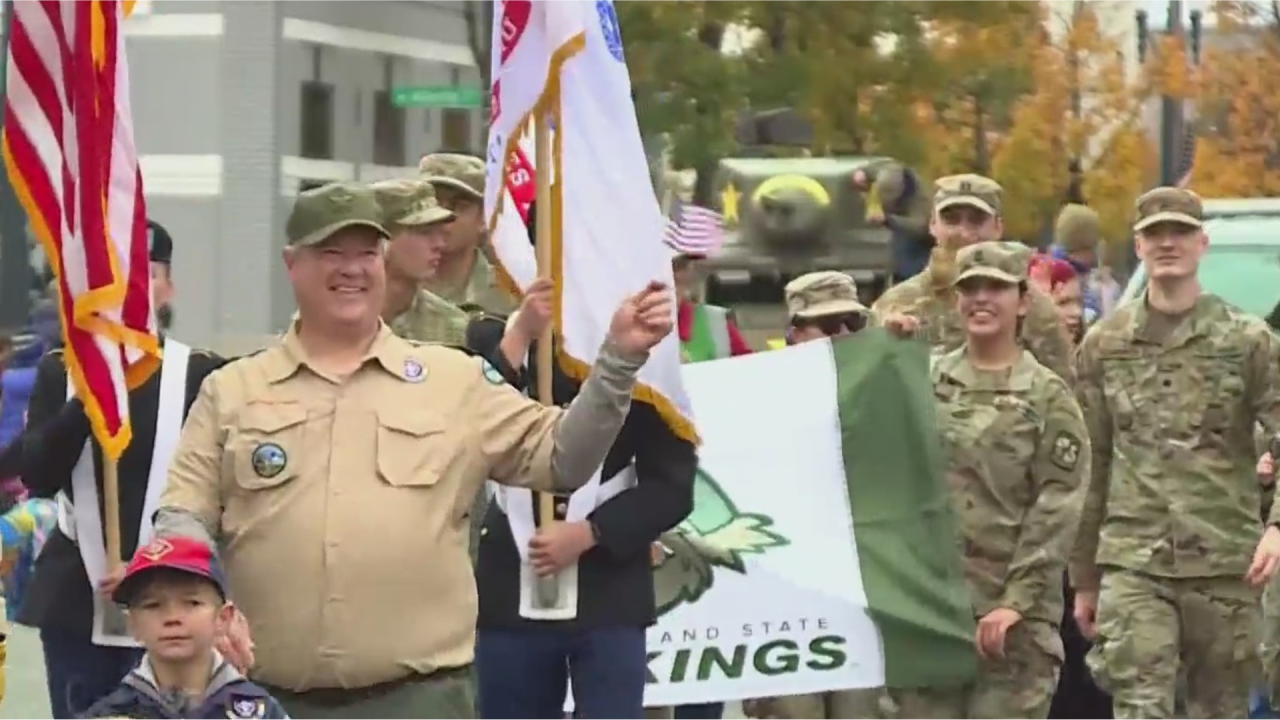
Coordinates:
466 278
419 227
966 210
1168 564
1018 457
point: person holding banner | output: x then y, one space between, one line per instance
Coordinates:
525 656
966 210
465 278
87 650
822 305
419 229
343 460
1018 458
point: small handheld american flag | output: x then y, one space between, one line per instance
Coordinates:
694 230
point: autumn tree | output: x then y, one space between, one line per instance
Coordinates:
1084 113
1238 149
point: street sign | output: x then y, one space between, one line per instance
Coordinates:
436 96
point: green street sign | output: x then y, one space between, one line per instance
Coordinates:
436 96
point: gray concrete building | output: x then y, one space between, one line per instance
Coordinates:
239 103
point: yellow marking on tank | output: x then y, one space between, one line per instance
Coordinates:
807 185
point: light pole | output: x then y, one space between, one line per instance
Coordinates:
1173 123
15 256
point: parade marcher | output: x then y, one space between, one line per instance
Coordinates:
344 460
966 210
61 600
822 305
898 200
1076 236
465 278
1018 455
177 600
1168 565
646 487
419 229
1057 279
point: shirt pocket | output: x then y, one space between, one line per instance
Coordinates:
266 450
1220 378
413 447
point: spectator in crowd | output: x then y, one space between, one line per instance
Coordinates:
1075 240
1059 280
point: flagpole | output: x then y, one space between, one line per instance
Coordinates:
547 588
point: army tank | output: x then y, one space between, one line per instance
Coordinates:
786 216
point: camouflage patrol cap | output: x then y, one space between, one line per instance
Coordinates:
320 212
968 189
1077 228
1169 204
993 260
461 172
818 294
409 202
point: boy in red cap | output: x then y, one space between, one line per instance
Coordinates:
176 596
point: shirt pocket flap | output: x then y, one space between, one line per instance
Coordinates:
412 446
268 443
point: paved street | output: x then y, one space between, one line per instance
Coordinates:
24 695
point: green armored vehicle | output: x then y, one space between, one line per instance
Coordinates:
786 217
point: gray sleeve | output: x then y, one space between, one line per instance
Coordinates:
588 428
178 522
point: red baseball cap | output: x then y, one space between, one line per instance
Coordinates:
175 553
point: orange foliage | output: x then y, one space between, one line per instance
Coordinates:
1238 151
1048 131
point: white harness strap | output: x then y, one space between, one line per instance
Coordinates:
82 522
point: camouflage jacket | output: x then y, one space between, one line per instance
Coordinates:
480 291
940 324
1018 458
1174 491
431 319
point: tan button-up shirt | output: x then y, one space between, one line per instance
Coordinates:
341 503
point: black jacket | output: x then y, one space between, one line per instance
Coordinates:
615 578
59 596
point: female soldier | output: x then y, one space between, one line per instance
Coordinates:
1018 456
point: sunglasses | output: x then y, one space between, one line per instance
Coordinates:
832 324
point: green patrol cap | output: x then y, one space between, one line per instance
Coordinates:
993 260
409 202
968 189
1169 204
461 172
320 212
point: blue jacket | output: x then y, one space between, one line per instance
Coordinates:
230 695
1088 292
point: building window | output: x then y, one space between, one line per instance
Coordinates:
388 130
315 137
455 126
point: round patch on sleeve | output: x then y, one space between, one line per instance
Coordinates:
491 373
1066 451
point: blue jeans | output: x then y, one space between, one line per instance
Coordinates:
524 673
701 711
79 673
1260 706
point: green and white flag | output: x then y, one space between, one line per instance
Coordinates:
822 551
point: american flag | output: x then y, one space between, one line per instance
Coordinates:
694 230
70 154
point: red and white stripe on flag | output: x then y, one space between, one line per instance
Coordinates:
70 154
695 231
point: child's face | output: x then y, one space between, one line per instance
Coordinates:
177 616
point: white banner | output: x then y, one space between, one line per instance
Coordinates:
760 592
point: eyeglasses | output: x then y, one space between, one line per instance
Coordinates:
833 324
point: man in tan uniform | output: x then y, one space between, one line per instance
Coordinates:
419 229
966 210
466 278
335 469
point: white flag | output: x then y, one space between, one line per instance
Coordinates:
565 59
